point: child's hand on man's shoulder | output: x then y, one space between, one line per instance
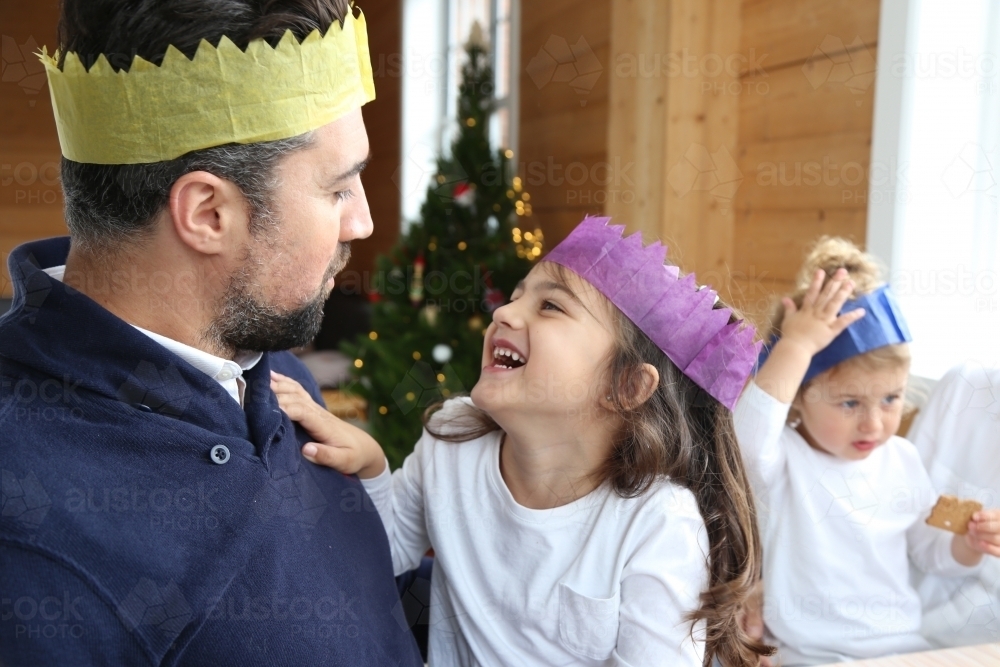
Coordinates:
337 445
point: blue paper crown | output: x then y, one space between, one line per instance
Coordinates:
882 325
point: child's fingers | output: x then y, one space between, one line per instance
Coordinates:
284 384
987 527
835 294
292 406
987 548
847 319
315 419
340 459
815 287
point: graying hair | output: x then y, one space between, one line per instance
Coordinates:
111 207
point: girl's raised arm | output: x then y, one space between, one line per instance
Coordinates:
762 410
805 331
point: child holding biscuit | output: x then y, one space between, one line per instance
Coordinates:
843 499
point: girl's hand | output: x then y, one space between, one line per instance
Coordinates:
814 326
338 445
804 332
984 532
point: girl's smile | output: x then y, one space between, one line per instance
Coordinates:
506 356
548 348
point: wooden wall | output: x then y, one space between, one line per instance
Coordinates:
739 168
30 196
384 122
564 84
805 129
673 115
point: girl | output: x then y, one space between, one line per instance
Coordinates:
596 511
843 498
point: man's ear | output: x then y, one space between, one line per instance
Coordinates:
208 212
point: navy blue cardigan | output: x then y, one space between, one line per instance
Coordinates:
122 542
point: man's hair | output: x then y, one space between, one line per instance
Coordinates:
108 206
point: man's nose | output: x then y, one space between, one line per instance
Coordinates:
356 222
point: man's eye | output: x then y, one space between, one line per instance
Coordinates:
850 405
344 195
891 399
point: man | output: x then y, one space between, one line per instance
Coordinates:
958 436
156 509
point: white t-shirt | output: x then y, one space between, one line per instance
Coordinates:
958 436
603 580
836 534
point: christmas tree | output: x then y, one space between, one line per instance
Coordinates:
437 287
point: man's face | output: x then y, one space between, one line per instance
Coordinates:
275 298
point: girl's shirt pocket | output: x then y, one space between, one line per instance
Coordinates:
588 626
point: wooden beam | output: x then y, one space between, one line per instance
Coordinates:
674 110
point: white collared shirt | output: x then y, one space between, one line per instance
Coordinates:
227 373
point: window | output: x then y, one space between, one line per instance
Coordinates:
434 38
933 198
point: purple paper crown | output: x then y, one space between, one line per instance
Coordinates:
673 311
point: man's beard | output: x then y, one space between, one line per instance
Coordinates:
247 322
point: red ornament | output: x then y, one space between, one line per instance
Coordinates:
494 299
464 194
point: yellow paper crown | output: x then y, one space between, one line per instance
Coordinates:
223 95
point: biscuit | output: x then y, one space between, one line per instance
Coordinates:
953 514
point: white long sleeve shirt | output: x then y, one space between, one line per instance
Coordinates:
603 580
836 536
958 436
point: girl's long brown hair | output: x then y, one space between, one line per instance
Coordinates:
684 434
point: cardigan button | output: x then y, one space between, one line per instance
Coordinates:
219 454
140 406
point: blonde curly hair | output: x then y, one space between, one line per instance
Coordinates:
830 253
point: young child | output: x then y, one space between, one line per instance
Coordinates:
587 505
843 499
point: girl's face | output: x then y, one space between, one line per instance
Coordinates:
547 349
852 411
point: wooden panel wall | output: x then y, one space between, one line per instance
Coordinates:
740 168
30 196
805 127
564 80
674 113
384 122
